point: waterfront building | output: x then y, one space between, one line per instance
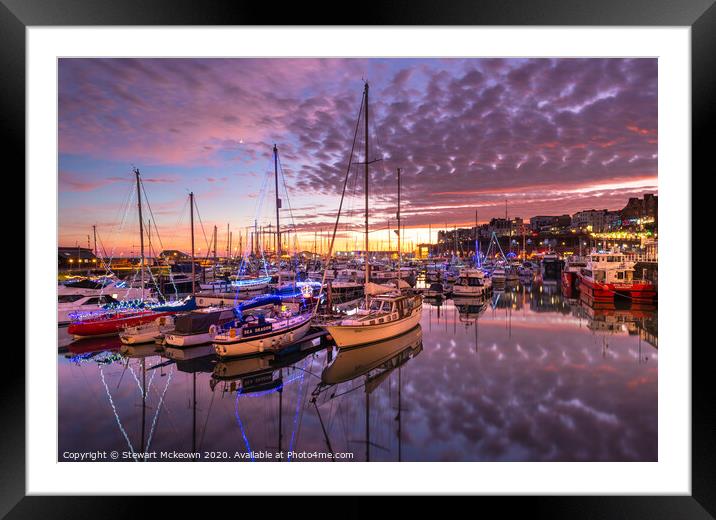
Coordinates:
75 257
550 222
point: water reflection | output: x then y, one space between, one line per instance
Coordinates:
524 375
366 368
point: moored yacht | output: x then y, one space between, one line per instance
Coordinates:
147 332
198 327
386 315
283 325
69 305
471 282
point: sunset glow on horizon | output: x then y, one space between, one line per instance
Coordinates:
472 136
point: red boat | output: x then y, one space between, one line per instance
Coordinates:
609 275
570 280
112 323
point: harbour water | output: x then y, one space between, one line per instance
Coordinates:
526 375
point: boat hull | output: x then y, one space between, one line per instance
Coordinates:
637 291
111 326
226 347
188 340
347 336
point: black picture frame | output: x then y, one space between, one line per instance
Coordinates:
699 15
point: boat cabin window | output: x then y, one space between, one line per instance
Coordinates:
600 276
68 298
620 275
376 305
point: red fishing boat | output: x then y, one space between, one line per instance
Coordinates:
609 275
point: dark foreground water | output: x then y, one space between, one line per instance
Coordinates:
525 376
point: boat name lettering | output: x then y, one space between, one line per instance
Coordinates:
253 331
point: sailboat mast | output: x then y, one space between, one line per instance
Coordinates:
278 206
399 244
367 263
141 231
193 267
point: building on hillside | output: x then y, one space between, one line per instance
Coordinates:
550 222
592 220
506 227
641 211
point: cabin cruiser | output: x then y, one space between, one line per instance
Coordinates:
471 282
380 317
69 305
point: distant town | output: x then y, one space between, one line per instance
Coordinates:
632 229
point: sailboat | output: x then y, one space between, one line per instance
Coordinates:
286 322
113 318
384 315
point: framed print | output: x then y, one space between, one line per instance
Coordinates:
423 259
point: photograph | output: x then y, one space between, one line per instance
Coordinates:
320 259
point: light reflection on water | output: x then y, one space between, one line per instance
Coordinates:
528 375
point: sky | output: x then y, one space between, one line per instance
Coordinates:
472 136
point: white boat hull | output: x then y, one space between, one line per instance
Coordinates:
137 339
347 336
189 340
225 346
